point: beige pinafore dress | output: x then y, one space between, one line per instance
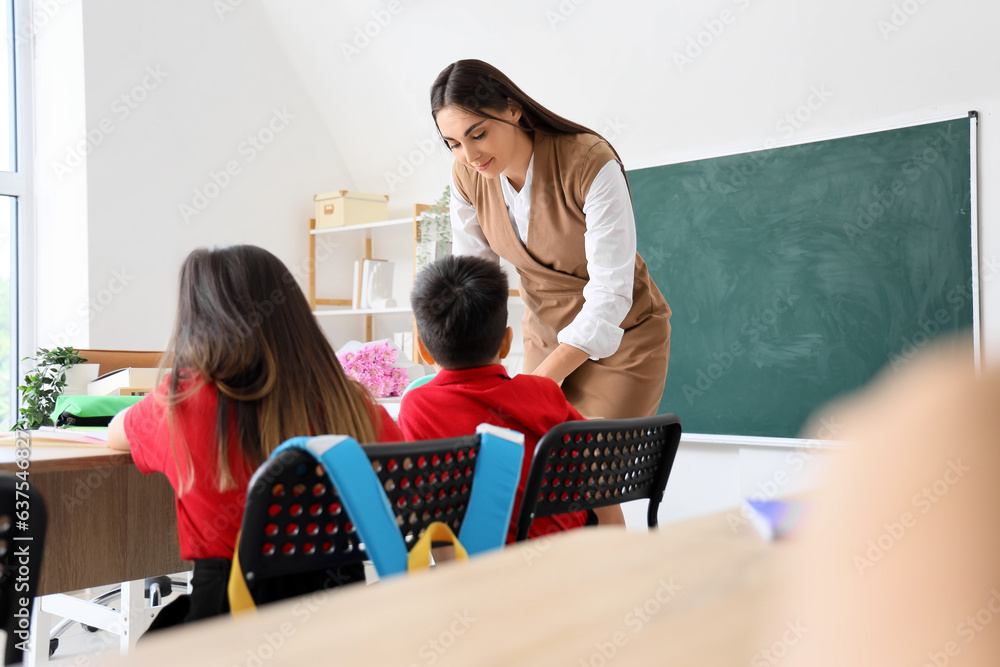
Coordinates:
553 271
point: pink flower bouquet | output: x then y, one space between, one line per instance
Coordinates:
374 366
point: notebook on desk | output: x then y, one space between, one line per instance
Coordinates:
48 435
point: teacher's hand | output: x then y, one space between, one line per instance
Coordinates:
564 360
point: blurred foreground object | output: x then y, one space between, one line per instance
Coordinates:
900 560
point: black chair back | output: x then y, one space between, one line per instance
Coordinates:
581 465
23 522
294 522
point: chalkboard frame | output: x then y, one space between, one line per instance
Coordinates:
784 440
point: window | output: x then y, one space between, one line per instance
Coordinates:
8 347
14 170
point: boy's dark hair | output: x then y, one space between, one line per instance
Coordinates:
460 304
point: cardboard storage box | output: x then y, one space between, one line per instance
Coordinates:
336 209
112 360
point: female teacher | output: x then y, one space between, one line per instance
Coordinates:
550 196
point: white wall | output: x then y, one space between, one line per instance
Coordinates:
714 477
635 70
60 170
184 89
362 119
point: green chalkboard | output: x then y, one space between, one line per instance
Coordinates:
795 274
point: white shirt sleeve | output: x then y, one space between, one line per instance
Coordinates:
609 243
467 236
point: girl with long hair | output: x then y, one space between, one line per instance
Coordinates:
247 367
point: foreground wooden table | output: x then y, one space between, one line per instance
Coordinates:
107 522
690 594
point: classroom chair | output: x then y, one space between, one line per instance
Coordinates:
297 520
581 465
419 382
23 522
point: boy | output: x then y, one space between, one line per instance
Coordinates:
460 305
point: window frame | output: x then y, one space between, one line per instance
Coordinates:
19 184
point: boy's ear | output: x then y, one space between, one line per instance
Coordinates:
425 355
508 338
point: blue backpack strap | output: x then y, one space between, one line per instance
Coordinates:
362 495
494 485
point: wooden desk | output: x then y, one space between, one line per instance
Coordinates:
108 523
691 594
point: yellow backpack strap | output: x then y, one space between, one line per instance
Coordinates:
240 600
419 557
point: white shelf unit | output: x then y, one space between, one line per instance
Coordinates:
334 312
360 231
393 240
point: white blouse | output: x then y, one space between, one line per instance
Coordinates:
609 243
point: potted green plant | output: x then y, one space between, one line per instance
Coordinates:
43 384
434 230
